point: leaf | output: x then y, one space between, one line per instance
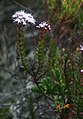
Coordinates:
57 73
35 89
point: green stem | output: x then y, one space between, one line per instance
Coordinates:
21 48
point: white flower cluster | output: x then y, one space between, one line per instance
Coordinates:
21 17
44 25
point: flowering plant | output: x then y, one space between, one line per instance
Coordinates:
51 80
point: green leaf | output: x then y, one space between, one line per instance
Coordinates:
35 89
57 73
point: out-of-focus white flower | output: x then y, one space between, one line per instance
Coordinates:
81 48
21 17
43 25
82 71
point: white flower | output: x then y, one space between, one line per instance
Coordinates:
82 71
44 25
21 17
81 47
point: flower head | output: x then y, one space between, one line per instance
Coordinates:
81 48
21 17
82 71
43 25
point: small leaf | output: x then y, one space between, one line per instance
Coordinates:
35 89
57 74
